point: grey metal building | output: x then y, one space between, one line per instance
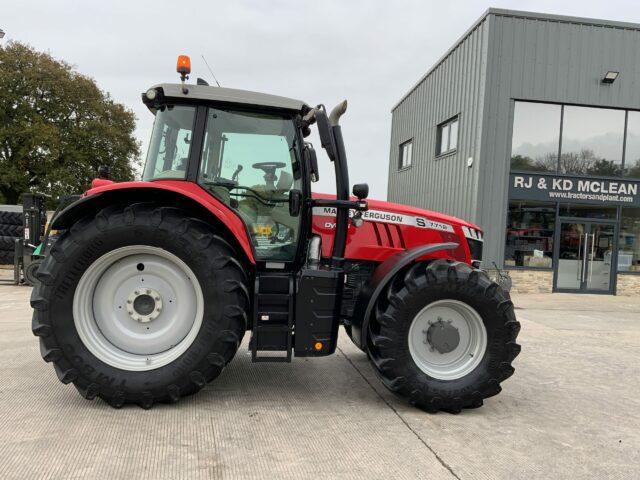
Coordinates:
530 126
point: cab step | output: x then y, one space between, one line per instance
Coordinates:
272 327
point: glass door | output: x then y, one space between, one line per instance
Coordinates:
570 264
585 256
599 254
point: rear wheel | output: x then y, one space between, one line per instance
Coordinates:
444 336
140 304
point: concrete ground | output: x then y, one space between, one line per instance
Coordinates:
570 411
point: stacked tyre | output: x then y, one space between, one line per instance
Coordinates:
10 229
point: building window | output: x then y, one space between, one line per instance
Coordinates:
592 140
629 244
406 149
447 140
536 137
530 229
632 154
591 144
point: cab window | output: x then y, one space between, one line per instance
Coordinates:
250 162
170 144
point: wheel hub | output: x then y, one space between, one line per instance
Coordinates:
447 339
442 336
144 305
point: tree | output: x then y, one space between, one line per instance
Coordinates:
57 127
546 163
633 171
602 166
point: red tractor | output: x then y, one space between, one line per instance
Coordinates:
149 289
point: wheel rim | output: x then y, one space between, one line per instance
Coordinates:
138 308
447 339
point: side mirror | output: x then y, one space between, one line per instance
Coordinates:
361 190
312 162
295 202
326 135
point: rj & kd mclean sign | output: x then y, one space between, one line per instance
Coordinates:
565 189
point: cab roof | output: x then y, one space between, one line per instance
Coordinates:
230 95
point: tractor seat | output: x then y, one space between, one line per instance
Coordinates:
285 182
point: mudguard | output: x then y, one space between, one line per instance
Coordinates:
379 280
190 194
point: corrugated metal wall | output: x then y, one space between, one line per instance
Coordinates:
549 59
507 55
453 87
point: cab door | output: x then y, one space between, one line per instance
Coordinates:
251 161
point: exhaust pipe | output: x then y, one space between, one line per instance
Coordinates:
337 112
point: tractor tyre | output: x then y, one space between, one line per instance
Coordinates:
10 218
7 256
443 336
7 243
140 304
31 272
7 230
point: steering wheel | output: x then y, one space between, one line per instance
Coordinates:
269 169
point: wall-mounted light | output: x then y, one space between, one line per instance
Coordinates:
610 77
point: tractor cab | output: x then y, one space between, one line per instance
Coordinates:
250 159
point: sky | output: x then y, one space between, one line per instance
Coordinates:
369 52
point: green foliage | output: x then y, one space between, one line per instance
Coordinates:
57 127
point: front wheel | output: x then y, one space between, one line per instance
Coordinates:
443 336
139 304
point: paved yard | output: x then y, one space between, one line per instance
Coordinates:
572 410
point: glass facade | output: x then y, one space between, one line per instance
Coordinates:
530 230
632 154
536 137
592 141
575 140
582 142
629 241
